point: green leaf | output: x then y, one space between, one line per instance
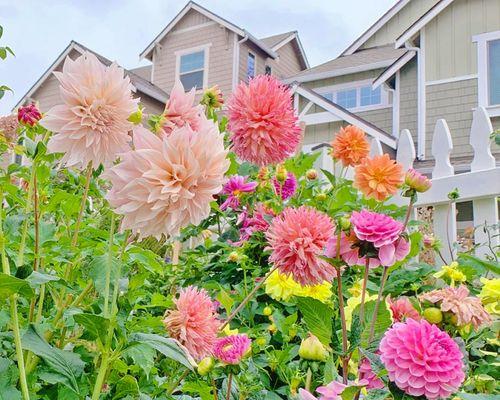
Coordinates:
3 53
330 372
98 267
200 388
354 334
167 346
146 258
350 392
67 364
142 355
10 285
126 386
478 263
226 300
318 317
95 325
482 396
382 323
8 379
376 365
377 394
37 278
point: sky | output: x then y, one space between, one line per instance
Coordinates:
38 30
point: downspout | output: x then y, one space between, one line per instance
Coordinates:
236 58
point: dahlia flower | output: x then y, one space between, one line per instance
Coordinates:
212 97
286 189
259 222
490 295
180 111
366 372
234 188
264 126
349 250
167 183
467 309
297 237
92 123
378 177
193 322
402 309
231 349
29 115
350 146
354 301
416 181
422 360
332 391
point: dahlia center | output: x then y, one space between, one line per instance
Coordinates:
98 116
228 347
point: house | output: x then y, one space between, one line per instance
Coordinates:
423 60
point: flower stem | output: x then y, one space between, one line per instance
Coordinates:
377 304
308 380
109 266
27 208
36 250
229 384
177 382
88 177
345 359
363 292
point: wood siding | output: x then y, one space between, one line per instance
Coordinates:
261 60
288 62
408 99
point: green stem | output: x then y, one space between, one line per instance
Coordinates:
27 208
308 379
177 382
363 292
109 266
377 304
88 178
229 386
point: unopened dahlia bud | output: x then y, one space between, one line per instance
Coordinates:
29 115
234 256
312 174
267 311
321 196
205 366
429 241
433 315
212 97
416 181
281 173
345 223
312 349
136 117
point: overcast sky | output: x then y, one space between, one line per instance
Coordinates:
38 30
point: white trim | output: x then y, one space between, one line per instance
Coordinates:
375 27
193 28
451 80
322 117
422 22
236 64
179 53
395 67
482 40
422 99
396 105
306 109
287 39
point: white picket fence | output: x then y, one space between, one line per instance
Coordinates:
481 185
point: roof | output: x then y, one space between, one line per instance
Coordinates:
142 85
147 53
362 60
275 42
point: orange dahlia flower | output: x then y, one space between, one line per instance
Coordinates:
378 177
350 146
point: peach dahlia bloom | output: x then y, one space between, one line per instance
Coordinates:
264 126
168 183
91 124
378 177
193 322
350 146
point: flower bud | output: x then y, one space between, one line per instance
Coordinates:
205 366
234 256
345 223
29 115
321 196
429 241
312 349
416 181
272 329
281 173
261 341
433 315
267 311
312 174
136 117
212 97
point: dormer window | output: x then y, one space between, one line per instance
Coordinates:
192 67
488 72
250 66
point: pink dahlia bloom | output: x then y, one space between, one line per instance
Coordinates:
231 349
264 126
29 115
332 391
91 124
297 238
383 232
349 250
181 111
234 188
168 183
402 309
193 322
366 372
468 309
258 222
286 189
416 181
422 360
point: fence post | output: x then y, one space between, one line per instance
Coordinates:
405 153
485 210
444 217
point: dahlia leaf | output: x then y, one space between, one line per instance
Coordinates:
95 325
10 285
376 394
317 317
126 386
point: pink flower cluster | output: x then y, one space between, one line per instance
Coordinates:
234 188
259 222
285 189
231 349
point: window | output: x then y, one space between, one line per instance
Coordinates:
250 66
328 96
192 67
370 97
347 98
268 70
488 71
356 96
494 72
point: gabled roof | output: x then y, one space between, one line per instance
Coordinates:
275 42
393 68
142 85
147 53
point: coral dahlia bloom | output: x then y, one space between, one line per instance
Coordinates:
264 126
231 349
286 189
416 181
422 360
29 115
350 146
168 183
297 238
402 309
193 322
8 127
468 309
378 177
234 188
91 124
181 111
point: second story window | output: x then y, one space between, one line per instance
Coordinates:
192 69
488 71
250 66
494 72
356 96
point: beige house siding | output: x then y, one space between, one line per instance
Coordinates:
321 133
449 49
399 23
47 95
143 72
192 18
151 106
288 62
408 99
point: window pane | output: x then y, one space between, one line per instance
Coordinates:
369 96
250 66
328 96
494 71
192 62
192 79
347 98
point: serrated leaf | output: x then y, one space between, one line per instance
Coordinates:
318 318
96 325
350 392
8 378
10 285
377 394
142 355
37 278
479 263
482 396
126 386
382 322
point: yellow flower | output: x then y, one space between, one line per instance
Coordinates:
282 287
354 301
490 295
452 272
228 331
321 292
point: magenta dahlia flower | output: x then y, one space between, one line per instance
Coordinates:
29 115
234 188
258 222
366 372
297 238
193 322
92 123
286 189
231 349
422 360
264 126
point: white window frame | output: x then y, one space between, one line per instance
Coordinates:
179 53
384 94
483 97
254 65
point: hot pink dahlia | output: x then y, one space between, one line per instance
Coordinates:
29 115
91 124
168 183
286 189
231 349
181 111
348 250
297 238
234 188
193 322
258 222
264 126
421 359
468 309
366 372
332 391
402 309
